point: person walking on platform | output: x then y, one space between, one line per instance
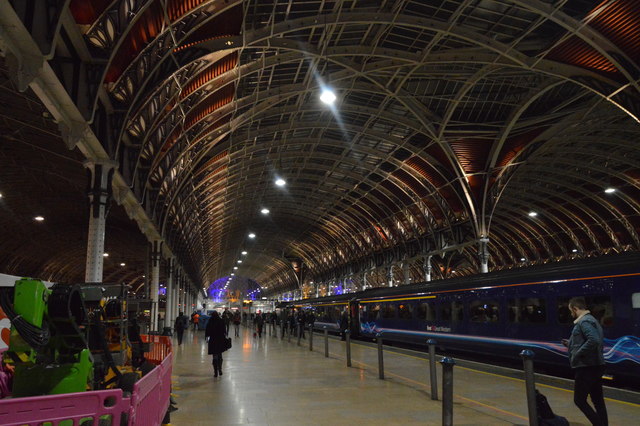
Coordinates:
180 325
259 322
587 361
236 322
300 320
226 317
196 320
215 335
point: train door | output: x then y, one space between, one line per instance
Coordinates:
354 318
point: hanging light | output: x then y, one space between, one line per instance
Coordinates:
327 96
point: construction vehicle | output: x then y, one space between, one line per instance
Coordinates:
71 338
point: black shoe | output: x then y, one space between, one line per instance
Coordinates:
220 371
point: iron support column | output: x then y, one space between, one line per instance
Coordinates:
100 191
483 255
426 266
168 309
155 280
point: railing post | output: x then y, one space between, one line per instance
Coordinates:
311 337
380 357
348 347
432 369
530 385
447 391
326 342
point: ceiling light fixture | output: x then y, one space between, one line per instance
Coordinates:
39 218
281 182
122 264
252 235
264 211
533 214
235 268
244 253
105 254
610 190
239 261
327 96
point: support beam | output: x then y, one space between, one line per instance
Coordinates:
169 313
100 192
426 266
156 257
483 255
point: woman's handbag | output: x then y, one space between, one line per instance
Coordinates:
227 343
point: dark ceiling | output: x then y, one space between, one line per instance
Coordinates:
455 121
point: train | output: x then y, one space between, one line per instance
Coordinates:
497 315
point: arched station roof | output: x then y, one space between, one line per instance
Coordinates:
456 121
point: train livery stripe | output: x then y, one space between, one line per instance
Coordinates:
625 348
397 300
567 280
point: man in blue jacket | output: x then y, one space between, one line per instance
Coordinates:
586 359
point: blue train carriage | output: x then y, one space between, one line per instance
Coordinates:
500 314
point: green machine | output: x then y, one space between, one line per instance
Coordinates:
47 343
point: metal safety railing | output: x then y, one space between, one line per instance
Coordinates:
447 365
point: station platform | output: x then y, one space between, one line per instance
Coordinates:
273 381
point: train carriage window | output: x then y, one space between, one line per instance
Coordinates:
426 311
405 311
451 311
599 305
336 313
529 310
389 310
484 310
374 311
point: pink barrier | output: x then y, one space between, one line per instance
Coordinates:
146 407
150 397
35 410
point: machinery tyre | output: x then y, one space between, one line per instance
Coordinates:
126 382
146 367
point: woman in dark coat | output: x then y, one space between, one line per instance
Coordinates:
215 334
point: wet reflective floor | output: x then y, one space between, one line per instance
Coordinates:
273 381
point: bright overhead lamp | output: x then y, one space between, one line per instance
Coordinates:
235 268
122 264
281 182
327 96
574 251
0 194
38 218
105 254
533 214
244 253
264 211
610 190
239 261
252 235
522 259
